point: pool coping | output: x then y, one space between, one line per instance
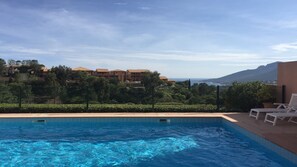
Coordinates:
113 115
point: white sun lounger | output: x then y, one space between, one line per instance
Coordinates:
272 117
255 112
282 108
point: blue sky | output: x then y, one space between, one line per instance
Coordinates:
178 38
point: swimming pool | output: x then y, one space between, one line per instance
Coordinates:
130 142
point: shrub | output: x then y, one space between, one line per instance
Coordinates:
267 93
74 108
242 96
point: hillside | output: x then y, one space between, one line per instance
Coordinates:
267 73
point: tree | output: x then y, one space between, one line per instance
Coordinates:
52 86
151 81
62 74
38 88
26 62
189 84
75 91
35 67
6 95
11 62
102 89
18 62
242 96
267 93
21 90
34 62
24 69
2 66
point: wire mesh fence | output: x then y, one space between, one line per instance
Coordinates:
86 95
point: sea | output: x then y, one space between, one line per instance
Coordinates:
196 80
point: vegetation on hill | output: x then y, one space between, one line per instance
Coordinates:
62 89
62 85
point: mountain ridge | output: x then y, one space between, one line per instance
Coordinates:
264 73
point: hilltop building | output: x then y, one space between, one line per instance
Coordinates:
163 78
132 76
121 75
135 75
101 72
83 69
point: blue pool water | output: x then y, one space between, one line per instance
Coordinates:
131 142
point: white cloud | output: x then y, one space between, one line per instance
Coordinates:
197 57
67 21
97 52
138 39
288 24
120 3
112 63
24 50
240 64
64 24
284 47
144 8
269 23
132 38
165 62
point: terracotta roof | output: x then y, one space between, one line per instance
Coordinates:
101 70
80 69
137 70
163 78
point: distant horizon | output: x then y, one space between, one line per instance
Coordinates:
191 78
180 39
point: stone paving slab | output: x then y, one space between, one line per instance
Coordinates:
283 134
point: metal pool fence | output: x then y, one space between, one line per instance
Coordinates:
84 95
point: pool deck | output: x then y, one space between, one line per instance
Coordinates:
283 134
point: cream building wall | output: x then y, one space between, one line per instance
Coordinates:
287 75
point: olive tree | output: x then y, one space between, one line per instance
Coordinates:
151 81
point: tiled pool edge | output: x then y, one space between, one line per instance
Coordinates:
266 143
113 119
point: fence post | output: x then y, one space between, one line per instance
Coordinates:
218 98
283 93
20 97
87 98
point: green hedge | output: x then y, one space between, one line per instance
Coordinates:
75 108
